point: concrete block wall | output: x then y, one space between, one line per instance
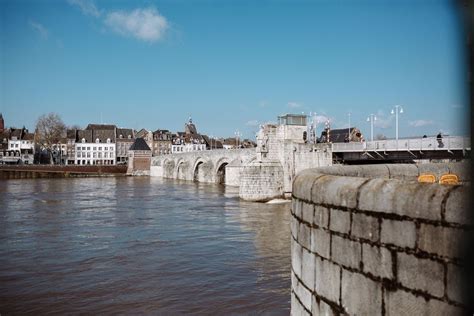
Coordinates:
374 245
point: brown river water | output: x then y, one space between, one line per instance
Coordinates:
140 246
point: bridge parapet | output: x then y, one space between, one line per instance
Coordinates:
367 240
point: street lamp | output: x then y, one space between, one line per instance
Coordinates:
371 118
396 110
237 135
349 130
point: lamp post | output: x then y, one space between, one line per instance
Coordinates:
349 130
371 118
237 135
396 110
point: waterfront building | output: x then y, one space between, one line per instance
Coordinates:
341 135
59 151
162 141
146 135
96 145
18 146
71 135
139 158
189 140
125 138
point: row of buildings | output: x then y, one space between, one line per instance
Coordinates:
104 144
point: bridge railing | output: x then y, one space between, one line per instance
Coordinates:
446 143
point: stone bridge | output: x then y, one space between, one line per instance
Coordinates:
211 166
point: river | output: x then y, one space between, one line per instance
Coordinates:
129 245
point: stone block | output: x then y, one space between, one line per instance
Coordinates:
319 307
296 308
336 190
321 216
457 206
398 233
456 283
296 256
417 200
360 295
298 208
307 212
321 242
461 169
303 183
303 294
403 303
294 201
421 274
366 227
294 227
340 221
304 236
307 269
377 260
345 252
442 241
438 169
328 280
403 171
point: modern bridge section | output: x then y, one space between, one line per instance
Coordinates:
450 147
212 166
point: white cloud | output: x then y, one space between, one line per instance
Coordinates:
420 123
42 31
144 24
293 105
87 7
252 123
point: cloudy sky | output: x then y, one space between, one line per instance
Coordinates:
233 65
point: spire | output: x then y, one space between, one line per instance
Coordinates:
190 119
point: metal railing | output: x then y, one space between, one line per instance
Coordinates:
447 143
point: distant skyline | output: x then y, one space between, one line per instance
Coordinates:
233 65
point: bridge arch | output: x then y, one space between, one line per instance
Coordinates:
219 170
198 171
181 169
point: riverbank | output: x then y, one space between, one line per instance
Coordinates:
54 171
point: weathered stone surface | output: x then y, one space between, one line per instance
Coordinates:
303 294
345 252
320 242
366 227
296 308
457 206
327 279
296 254
421 274
461 169
304 236
307 212
294 227
321 216
443 241
398 233
377 261
340 221
319 307
403 303
455 283
308 268
417 200
303 184
403 171
336 190
298 209
360 295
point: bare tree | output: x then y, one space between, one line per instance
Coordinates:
50 129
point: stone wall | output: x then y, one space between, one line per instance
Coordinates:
370 240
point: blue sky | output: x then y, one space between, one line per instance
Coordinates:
233 65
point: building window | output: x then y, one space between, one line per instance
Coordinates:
108 140
83 140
